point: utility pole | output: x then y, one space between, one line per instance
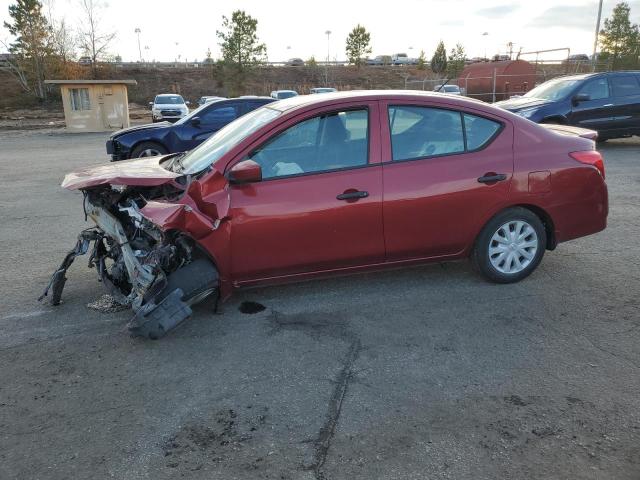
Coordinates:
326 66
594 57
137 30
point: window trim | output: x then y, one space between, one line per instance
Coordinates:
336 111
462 113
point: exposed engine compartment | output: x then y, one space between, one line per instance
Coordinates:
135 259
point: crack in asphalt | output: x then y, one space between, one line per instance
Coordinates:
323 442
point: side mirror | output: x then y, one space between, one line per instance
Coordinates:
580 97
187 102
246 171
195 121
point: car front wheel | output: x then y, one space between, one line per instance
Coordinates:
510 246
148 149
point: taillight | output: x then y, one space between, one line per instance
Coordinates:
590 157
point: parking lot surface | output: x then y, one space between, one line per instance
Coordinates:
427 372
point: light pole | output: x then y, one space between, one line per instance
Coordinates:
485 35
594 57
146 52
137 30
326 66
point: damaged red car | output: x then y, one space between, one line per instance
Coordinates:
332 184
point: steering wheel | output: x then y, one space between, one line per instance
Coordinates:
427 149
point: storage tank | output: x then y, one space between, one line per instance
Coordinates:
493 81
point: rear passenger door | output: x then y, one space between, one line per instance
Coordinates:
445 172
626 99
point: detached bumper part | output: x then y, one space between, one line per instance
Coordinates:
155 320
58 279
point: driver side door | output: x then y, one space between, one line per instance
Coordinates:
597 113
319 205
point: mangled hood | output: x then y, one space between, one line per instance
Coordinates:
146 172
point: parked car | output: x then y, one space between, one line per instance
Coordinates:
322 90
295 62
606 102
207 99
578 57
85 61
402 59
449 88
295 190
187 133
281 94
168 106
380 60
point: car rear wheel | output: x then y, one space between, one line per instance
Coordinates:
148 149
510 246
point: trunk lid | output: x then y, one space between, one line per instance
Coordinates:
570 131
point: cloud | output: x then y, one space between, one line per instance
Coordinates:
581 17
498 11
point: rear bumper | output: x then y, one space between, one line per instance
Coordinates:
584 216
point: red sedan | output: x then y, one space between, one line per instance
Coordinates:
332 184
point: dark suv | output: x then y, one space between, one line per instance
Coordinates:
606 102
187 133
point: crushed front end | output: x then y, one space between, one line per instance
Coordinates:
159 274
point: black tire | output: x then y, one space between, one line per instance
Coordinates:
481 256
140 149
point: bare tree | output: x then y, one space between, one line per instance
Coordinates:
63 38
92 39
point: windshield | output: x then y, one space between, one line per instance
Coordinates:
225 139
282 95
450 88
170 100
552 90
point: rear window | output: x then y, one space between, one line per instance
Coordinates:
419 132
480 131
625 86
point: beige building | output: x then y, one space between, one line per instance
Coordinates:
95 105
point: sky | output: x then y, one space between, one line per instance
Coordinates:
297 29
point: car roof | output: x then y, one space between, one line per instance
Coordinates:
168 95
310 100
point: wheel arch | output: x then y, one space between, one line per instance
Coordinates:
541 213
153 140
555 118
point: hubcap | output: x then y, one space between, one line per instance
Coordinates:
149 152
513 247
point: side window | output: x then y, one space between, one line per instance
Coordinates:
217 115
418 132
80 99
327 142
625 86
479 131
596 89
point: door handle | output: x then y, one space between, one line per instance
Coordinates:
352 195
492 177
